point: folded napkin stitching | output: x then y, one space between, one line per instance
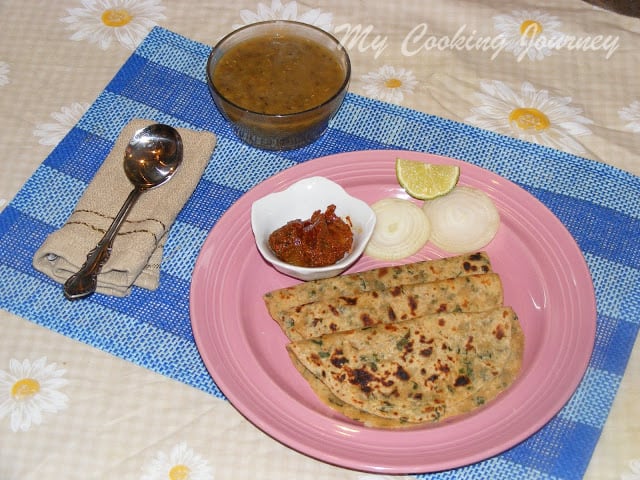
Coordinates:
136 252
76 212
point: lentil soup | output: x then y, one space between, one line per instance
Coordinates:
278 74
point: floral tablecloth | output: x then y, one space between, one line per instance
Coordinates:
561 76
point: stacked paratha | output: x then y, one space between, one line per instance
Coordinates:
304 300
430 341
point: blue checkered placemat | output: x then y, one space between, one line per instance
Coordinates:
165 80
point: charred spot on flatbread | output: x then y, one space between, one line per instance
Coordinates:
378 377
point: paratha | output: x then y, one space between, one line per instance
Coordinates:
417 371
376 279
471 293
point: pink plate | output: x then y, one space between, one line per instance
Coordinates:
545 280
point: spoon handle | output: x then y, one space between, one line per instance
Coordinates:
84 282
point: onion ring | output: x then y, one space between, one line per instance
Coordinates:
402 228
462 221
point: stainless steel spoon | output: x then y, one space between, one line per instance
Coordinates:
151 158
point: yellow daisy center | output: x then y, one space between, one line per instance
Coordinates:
529 119
116 17
393 83
530 28
179 472
25 388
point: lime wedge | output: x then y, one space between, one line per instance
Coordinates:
425 181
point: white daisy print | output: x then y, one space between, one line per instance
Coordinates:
65 119
531 34
634 466
103 21
4 73
389 84
530 114
631 114
28 390
182 463
287 11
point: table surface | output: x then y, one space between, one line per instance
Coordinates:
436 57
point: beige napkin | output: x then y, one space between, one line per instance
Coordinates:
137 249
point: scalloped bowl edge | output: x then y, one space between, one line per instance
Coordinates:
299 201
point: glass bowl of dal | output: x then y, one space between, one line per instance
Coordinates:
278 82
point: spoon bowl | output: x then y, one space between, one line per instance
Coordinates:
151 158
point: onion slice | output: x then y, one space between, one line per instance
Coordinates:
401 229
462 221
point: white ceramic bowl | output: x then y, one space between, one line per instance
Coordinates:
299 201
